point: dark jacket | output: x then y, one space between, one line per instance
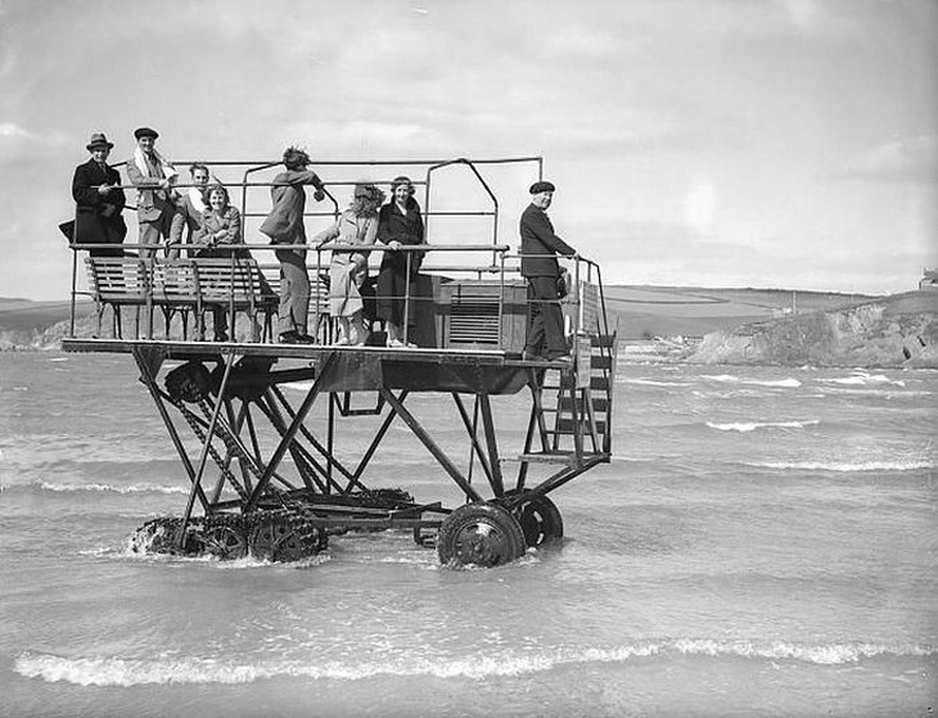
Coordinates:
98 216
404 228
539 245
284 224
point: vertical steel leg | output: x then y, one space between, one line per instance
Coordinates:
291 432
209 435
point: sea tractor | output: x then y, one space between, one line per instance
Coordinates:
259 427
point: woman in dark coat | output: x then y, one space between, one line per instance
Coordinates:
399 223
99 199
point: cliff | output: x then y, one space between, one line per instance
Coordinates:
896 331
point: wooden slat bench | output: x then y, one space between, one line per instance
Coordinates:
117 282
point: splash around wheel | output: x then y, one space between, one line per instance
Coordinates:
480 534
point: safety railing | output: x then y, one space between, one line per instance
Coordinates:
501 264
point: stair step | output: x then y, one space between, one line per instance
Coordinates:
600 404
567 426
602 340
600 361
550 457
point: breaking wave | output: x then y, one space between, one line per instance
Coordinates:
864 380
747 426
787 383
654 382
847 466
114 671
97 488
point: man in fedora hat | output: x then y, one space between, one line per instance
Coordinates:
539 248
99 199
153 177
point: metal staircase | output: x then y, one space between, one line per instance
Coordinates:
571 415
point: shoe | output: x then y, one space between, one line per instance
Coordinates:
398 344
305 339
564 360
221 337
288 337
531 356
341 342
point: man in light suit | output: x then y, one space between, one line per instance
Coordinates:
189 209
153 177
99 200
539 249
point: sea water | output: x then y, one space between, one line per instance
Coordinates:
765 542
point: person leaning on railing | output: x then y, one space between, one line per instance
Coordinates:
220 225
539 249
99 200
356 227
399 223
284 225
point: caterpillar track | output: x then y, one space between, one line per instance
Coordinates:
276 535
299 527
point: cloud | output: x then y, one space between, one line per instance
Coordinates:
18 143
913 159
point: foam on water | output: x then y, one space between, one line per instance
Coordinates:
848 466
747 426
117 671
863 379
787 383
654 382
107 488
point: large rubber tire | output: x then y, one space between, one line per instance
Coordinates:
481 535
539 518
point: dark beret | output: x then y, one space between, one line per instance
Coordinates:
145 132
542 186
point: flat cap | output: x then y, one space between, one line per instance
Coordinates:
542 186
145 132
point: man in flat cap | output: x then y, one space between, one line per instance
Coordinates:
99 200
153 177
539 248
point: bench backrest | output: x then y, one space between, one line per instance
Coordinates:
119 279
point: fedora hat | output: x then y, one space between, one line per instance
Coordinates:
98 139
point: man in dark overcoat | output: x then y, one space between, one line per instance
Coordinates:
539 249
99 199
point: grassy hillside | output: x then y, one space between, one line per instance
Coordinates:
643 312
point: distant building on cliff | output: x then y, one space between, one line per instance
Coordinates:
929 279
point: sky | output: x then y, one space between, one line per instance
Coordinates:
722 143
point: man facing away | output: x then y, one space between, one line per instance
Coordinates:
153 177
539 248
99 199
284 225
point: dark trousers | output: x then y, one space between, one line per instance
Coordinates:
294 291
392 288
545 320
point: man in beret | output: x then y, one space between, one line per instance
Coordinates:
539 248
99 200
153 177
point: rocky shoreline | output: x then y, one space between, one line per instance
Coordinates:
900 331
